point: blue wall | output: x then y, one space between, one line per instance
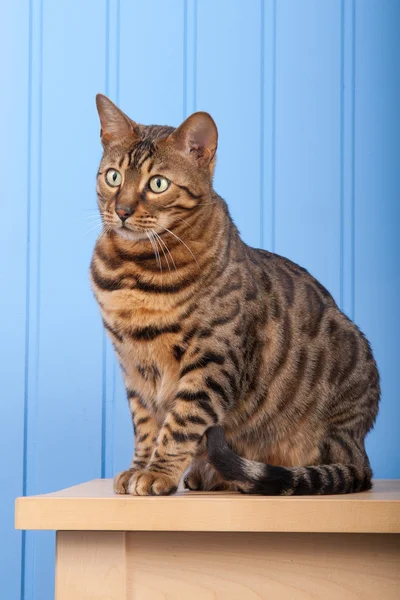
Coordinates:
306 94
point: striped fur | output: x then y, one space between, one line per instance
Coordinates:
214 336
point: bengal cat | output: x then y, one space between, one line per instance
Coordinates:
216 338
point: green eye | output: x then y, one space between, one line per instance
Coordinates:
113 177
159 184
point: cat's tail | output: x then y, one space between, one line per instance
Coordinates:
254 477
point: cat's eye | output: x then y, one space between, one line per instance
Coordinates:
159 184
113 177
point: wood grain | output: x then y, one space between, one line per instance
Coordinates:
94 507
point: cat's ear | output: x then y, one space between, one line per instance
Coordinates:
114 123
197 137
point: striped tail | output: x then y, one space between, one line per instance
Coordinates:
254 477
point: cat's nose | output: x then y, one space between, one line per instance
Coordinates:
124 212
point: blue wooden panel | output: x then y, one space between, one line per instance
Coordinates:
65 382
228 86
14 83
308 124
377 211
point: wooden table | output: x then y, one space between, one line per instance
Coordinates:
213 546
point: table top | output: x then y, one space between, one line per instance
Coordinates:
93 506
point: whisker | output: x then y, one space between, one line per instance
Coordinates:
186 246
167 249
93 228
186 222
157 238
158 252
105 231
154 249
94 221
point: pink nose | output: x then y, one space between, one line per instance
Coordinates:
124 212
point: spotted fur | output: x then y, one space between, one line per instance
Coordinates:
215 336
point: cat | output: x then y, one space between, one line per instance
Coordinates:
216 340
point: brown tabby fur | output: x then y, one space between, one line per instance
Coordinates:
210 332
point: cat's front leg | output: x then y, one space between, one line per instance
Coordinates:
146 431
197 406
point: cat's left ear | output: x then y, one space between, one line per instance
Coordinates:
197 137
115 124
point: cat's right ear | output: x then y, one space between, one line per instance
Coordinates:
114 123
197 137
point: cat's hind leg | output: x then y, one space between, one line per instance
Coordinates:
202 476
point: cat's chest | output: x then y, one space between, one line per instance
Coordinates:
144 342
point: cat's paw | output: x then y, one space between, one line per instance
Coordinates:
121 481
148 483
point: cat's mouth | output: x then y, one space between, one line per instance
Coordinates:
129 233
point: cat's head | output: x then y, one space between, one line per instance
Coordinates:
152 177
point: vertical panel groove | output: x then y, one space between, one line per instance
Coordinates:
185 57
27 292
262 110
347 141
195 55
118 48
28 246
342 223
189 56
353 162
273 133
107 48
33 256
268 125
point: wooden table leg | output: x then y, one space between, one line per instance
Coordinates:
226 566
90 565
